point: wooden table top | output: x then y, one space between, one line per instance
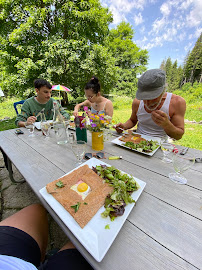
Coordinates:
164 229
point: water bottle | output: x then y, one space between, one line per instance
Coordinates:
59 125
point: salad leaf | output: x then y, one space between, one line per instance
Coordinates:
123 185
59 184
76 206
143 146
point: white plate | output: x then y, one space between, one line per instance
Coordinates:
94 237
148 138
38 124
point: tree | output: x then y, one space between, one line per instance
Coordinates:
129 59
193 65
162 66
62 41
173 74
168 70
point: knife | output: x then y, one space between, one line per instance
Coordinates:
184 151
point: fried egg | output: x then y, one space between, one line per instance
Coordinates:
81 188
135 138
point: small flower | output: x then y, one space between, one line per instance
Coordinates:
94 125
85 108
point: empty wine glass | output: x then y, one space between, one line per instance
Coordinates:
167 149
181 163
30 127
79 148
45 127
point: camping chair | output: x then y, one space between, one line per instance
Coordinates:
17 103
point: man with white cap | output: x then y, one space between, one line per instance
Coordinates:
156 112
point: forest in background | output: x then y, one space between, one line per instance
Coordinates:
190 72
67 42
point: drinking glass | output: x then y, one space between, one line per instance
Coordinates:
107 134
30 127
181 163
45 127
167 149
79 148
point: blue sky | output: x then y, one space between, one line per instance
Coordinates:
165 28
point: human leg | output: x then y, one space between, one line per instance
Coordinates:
68 257
33 221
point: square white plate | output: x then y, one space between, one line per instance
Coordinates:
148 138
94 237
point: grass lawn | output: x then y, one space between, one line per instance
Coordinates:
122 111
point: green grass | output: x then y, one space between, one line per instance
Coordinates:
122 111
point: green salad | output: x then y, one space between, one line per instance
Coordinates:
123 185
143 146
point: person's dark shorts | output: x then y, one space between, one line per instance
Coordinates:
16 243
69 259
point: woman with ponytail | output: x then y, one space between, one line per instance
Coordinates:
95 101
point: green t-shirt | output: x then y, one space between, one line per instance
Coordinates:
31 108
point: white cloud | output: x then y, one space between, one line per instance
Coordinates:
185 4
181 36
117 16
194 18
165 9
158 25
138 19
121 8
198 32
188 46
178 22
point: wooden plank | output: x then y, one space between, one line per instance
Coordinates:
35 168
177 231
133 249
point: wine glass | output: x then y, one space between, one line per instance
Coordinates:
167 149
181 163
79 148
30 127
45 127
107 134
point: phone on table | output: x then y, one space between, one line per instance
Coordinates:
19 131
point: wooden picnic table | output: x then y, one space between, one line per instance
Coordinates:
164 229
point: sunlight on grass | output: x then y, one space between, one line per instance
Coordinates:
192 137
122 112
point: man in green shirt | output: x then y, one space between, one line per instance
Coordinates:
32 106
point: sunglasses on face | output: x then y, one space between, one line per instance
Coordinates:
90 97
97 155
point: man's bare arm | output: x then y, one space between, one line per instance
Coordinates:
174 127
133 118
